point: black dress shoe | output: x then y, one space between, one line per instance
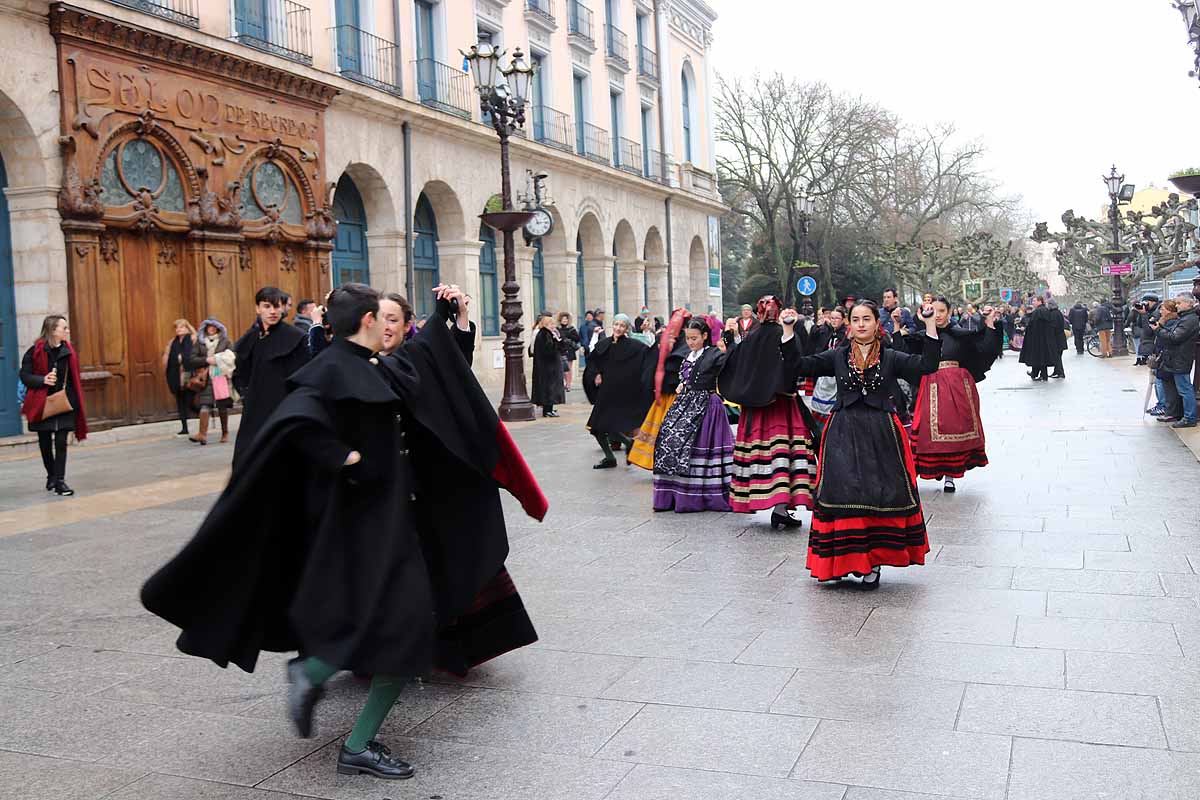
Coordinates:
608 463
784 521
50 484
549 413
183 432
1058 375
62 490
376 760
869 582
302 697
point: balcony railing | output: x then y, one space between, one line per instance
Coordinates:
366 58
657 167
647 63
552 127
184 12
280 27
579 21
628 156
541 8
445 88
592 142
616 44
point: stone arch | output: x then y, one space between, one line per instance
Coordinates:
655 281
698 276
19 147
376 196
556 242
653 251
628 271
447 207
591 235
624 242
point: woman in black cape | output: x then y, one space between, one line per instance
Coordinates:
614 382
546 349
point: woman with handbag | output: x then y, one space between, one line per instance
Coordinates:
54 401
213 363
177 358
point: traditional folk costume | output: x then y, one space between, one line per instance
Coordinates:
265 360
621 400
947 431
672 350
824 390
773 459
867 512
400 567
693 455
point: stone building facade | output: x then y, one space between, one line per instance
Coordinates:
164 158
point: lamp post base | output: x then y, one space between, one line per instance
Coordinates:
516 411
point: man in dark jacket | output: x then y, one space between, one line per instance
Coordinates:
1179 352
1104 327
1078 317
1138 321
267 355
1041 349
306 316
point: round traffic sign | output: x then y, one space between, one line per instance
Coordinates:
806 286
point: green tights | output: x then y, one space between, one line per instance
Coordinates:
384 692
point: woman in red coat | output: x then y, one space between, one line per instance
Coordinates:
50 370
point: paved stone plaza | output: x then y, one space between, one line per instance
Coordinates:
1050 649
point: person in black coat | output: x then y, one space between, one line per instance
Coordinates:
614 382
1060 339
1078 319
395 464
1179 353
267 355
546 349
49 369
1041 347
569 343
177 368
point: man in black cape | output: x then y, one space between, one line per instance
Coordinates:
1040 349
622 398
267 355
397 462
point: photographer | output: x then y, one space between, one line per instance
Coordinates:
1138 320
1179 352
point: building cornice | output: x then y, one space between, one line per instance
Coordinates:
69 23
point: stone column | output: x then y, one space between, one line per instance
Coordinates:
458 262
656 286
597 277
560 283
631 287
385 253
39 268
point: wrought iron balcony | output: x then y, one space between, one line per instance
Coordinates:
579 22
366 58
279 27
542 10
628 156
445 88
184 12
616 46
552 127
592 142
658 167
647 63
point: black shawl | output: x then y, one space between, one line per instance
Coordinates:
756 371
623 398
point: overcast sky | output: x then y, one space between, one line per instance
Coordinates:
1040 82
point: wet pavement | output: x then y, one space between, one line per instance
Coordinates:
1050 648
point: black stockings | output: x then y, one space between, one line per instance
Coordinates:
183 404
53 445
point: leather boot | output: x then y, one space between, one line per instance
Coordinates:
202 434
224 425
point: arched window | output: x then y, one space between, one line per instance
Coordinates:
425 258
139 165
270 188
490 295
350 261
686 94
579 282
539 279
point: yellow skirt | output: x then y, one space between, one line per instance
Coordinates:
642 452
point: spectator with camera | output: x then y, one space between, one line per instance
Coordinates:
1138 321
1178 343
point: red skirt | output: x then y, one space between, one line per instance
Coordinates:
772 460
840 545
947 431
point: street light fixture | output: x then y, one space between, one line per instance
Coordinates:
805 205
1118 192
503 104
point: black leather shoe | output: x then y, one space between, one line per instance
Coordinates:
870 582
50 484
302 698
376 760
183 432
784 521
62 490
549 413
1059 375
608 463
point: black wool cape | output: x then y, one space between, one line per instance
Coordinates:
759 369
374 580
622 398
1044 338
547 387
264 363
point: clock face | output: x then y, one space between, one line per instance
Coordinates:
540 224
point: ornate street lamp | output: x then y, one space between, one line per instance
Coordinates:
503 104
805 205
1118 192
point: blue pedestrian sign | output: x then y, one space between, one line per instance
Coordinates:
806 286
